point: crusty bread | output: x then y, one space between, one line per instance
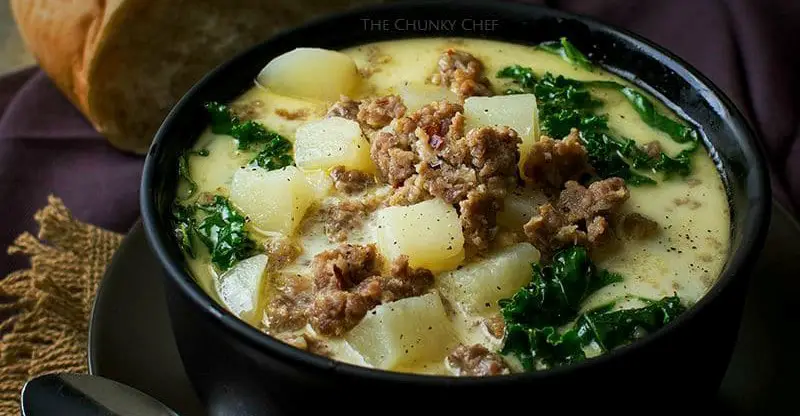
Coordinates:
125 63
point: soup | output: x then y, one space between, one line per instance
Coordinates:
443 206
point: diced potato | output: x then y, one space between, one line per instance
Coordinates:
417 95
314 73
519 207
478 286
240 287
329 142
411 330
429 233
517 111
273 200
321 183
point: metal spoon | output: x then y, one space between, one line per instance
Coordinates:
86 395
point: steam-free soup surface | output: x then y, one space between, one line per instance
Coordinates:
420 288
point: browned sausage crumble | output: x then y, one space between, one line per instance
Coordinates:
579 216
287 304
379 112
476 361
428 155
347 284
371 113
345 108
462 73
351 181
553 162
342 217
280 251
405 281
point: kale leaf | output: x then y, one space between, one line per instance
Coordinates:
275 152
553 298
521 75
222 229
183 221
611 329
218 226
567 51
556 290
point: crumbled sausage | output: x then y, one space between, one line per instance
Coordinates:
348 284
379 112
372 113
345 107
280 251
411 192
476 360
293 114
404 281
553 162
288 304
345 267
342 217
579 216
478 218
637 226
653 149
494 151
351 181
428 155
495 325
334 312
391 152
601 197
305 342
462 73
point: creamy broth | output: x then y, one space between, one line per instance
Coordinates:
684 258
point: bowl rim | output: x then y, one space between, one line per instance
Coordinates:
754 228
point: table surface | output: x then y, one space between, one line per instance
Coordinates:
12 51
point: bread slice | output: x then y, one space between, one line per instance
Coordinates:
125 63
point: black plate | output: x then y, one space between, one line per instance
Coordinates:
131 341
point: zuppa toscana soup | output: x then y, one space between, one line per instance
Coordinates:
450 206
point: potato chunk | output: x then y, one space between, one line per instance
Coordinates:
519 207
273 200
314 73
240 287
429 233
418 95
478 286
516 111
401 333
329 142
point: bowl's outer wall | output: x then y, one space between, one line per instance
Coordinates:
230 362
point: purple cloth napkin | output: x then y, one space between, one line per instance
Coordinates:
744 46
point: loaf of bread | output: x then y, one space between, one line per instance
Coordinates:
125 63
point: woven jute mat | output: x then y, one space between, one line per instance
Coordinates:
44 310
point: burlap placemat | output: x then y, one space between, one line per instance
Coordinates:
44 310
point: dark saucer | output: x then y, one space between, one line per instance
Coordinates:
131 341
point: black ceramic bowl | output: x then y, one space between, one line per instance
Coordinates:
235 366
